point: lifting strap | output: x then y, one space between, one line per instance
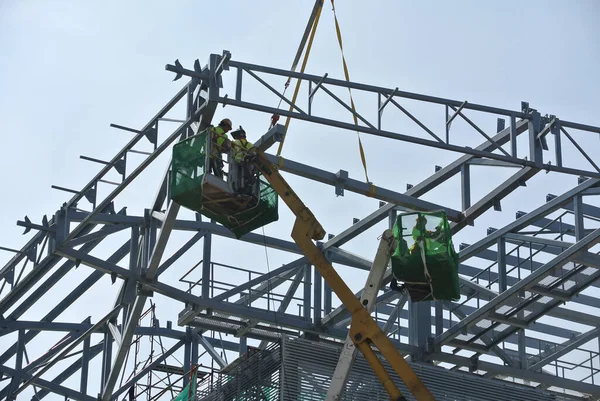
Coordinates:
319 8
347 75
425 270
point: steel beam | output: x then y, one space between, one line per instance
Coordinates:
212 304
201 228
549 207
420 189
140 135
37 239
257 316
525 283
360 187
395 313
285 302
148 368
54 388
41 269
559 313
565 348
266 287
211 351
404 137
545 309
523 374
138 170
457 311
62 305
140 301
289 268
498 193
68 372
69 348
375 89
49 261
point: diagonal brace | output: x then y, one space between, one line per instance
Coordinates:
525 283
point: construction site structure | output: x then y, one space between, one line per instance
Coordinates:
525 325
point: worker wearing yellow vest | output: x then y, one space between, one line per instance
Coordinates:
241 148
220 145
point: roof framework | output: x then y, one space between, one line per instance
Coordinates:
528 311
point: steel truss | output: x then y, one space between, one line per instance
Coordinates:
524 315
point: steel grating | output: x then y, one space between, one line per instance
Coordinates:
233 327
290 371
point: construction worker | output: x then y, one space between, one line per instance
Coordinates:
241 149
421 233
220 144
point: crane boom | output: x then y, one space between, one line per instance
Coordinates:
369 295
364 331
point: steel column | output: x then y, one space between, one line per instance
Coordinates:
502 284
307 292
465 186
85 362
578 214
140 301
206 265
317 291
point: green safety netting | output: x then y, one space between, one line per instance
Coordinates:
188 166
425 259
187 394
188 179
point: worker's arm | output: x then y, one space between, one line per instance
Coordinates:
363 329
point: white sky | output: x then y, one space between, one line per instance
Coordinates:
68 69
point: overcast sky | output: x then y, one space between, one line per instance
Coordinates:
69 68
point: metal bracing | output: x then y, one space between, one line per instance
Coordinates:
524 284
149 271
67 349
535 126
509 313
257 292
363 188
563 349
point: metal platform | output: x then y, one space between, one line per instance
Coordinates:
218 196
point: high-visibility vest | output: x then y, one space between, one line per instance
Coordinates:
219 137
240 147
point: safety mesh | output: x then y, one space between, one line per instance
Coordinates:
255 376
432 231
187 170
187 393
239 214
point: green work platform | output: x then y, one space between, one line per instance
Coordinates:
194 188
424 258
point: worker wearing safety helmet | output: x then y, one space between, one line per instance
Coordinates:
241 148
220 144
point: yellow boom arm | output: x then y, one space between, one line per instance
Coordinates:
363 330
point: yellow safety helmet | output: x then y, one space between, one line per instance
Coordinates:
226 123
